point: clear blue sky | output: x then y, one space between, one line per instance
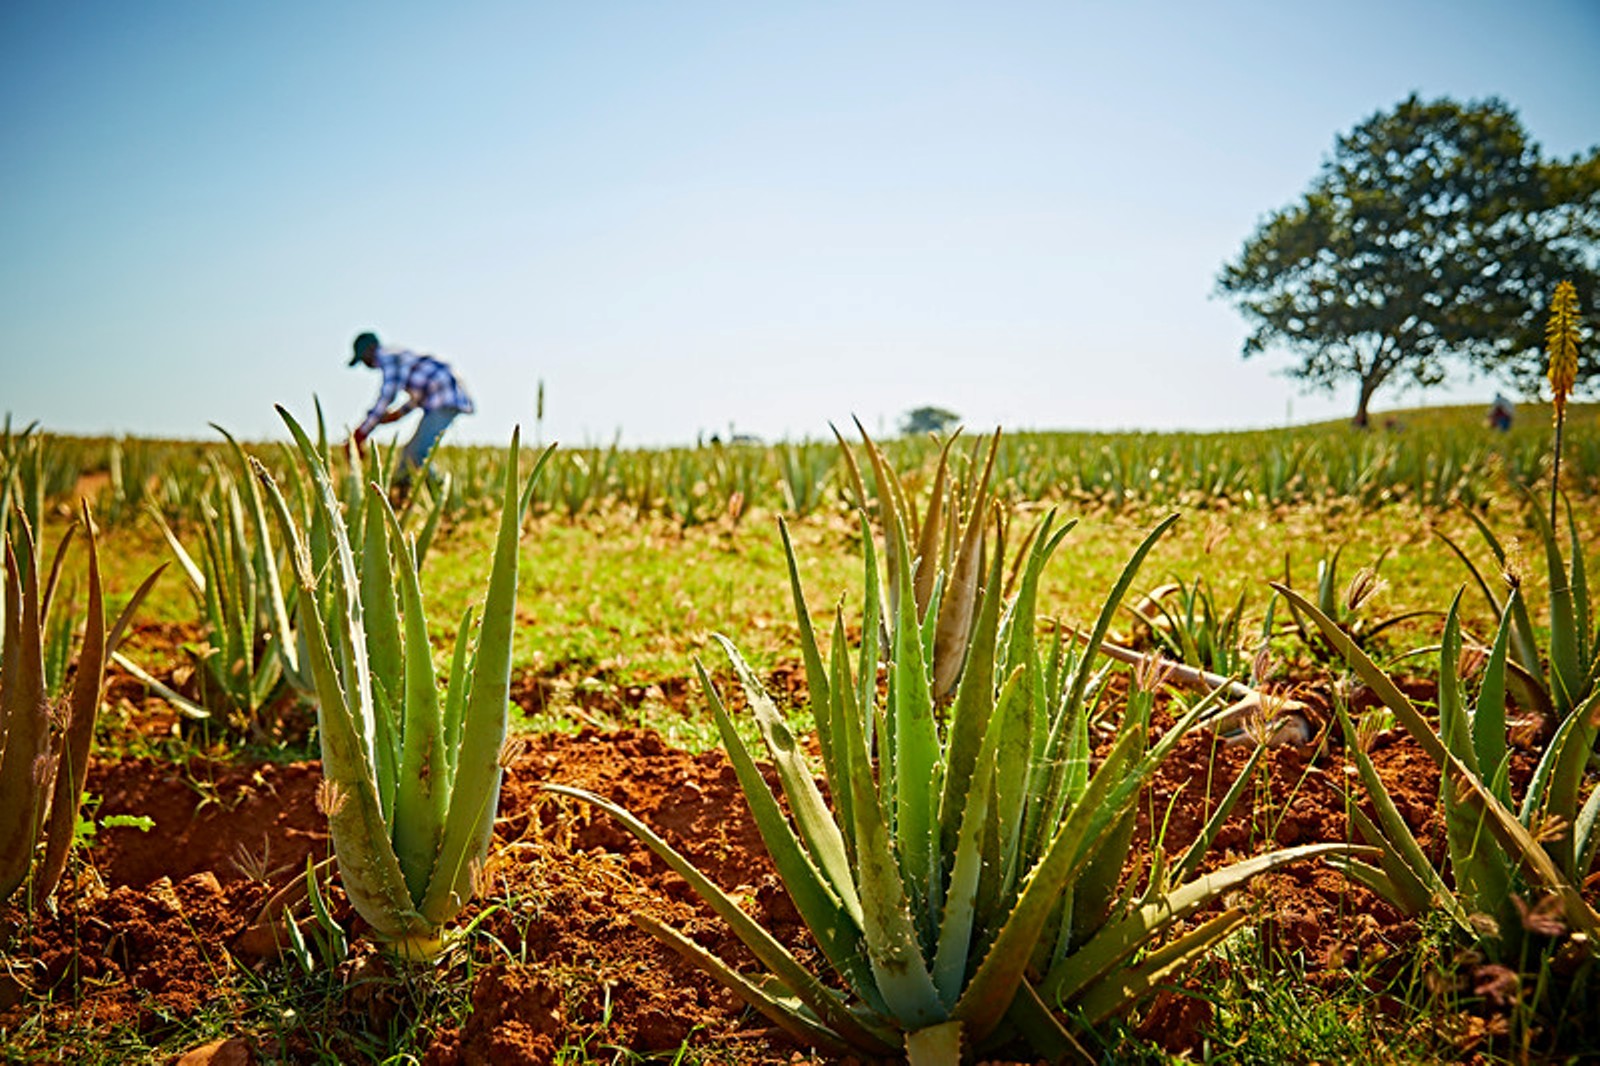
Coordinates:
689 216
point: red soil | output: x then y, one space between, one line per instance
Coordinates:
145 936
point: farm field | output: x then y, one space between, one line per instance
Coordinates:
168 934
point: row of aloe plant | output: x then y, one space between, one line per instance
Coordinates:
1429 465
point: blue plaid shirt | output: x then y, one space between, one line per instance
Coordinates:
428 382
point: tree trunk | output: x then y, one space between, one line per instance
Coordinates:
1369 385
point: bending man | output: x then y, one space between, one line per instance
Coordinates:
428 383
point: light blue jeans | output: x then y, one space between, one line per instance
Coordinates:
429 430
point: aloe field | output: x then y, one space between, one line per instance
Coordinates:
1270 746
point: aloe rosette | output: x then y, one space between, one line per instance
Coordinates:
964 885
45 740
412 775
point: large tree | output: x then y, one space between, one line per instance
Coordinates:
1433 236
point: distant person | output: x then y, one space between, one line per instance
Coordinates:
428 383
1500 412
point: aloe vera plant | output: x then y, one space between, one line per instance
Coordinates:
44 741
1554 678
413 775
964 886
1506 859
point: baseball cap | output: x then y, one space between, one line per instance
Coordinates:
364 343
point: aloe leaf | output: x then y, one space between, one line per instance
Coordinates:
1110 997
833 916
455 695
1566 668
476 792
782 1012
969 718
347 643
989 992
959 605
1481 873
73 746
1402 857
955 939
1378 880
191 571
1552 794
179 702
1585 839
816 670
423 796
1030 1016
893 943
843 709
871 636
380 609
368 866
930 558
819 997
23 713
1489 716
914 768
277 605
1076 975
821 836
1581 609
1453 726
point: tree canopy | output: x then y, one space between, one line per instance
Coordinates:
1431 239
927 420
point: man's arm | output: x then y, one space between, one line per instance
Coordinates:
380 413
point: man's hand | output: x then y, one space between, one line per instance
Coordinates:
359 439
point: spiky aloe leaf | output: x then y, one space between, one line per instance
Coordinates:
893 941
821 835
961 908
1567 668
1418 885
817 684
821 999
786 1012
380 606
422 802
1111 997
23 714
993 985
475 796
912 777
1483 878
1080 973
969 717
832 911
83 707
959 605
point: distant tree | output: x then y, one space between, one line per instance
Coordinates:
921 420
1435 233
